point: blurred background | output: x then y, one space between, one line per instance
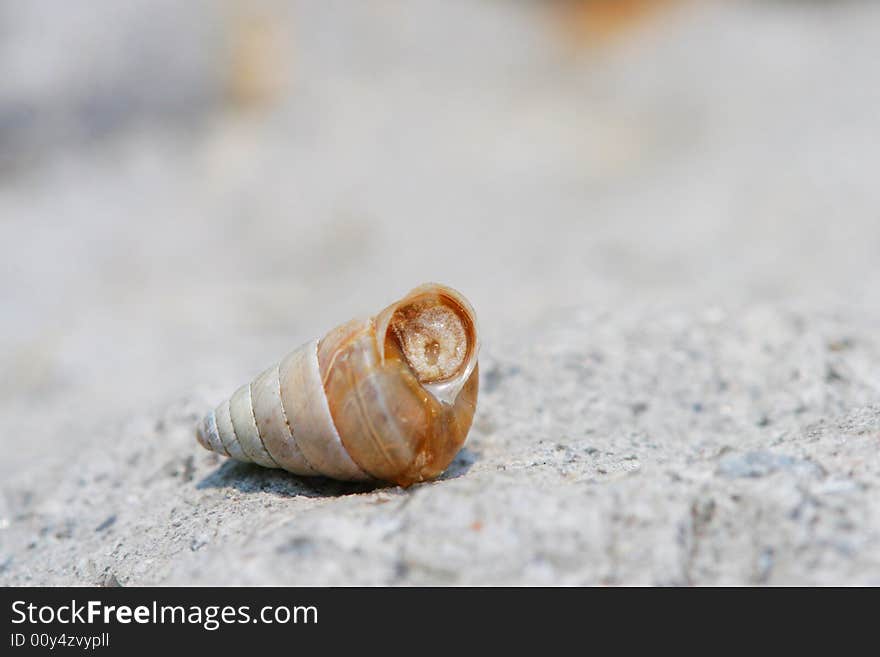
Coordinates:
190 190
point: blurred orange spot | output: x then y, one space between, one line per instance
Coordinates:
598 21
477 525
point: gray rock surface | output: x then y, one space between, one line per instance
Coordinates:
672 241
689 449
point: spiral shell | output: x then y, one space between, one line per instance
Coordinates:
386 398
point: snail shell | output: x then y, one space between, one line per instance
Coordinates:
390 397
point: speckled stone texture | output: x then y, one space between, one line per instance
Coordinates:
658 448
671 238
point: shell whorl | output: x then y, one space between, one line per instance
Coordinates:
390 397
